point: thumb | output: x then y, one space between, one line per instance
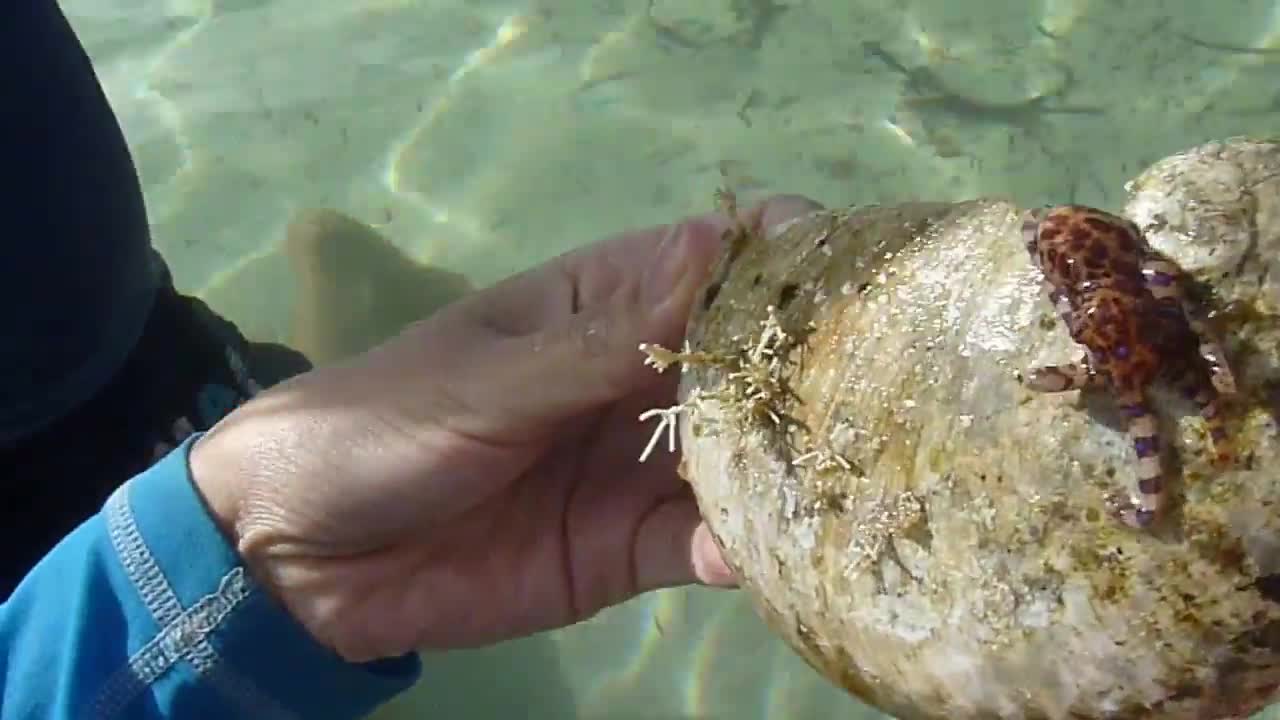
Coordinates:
673 546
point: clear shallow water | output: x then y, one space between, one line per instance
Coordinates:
484 136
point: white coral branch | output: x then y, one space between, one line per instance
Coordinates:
670 421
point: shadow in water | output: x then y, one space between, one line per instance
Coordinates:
335 288
355 288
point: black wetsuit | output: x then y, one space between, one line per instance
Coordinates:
103 365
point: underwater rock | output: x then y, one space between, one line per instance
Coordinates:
932 535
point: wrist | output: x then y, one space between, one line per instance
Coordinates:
214 476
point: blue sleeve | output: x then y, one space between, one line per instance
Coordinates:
145 612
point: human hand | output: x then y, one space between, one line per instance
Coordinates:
476 478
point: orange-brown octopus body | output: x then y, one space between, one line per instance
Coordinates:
1125 304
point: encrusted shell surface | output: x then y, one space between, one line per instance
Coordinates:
932 536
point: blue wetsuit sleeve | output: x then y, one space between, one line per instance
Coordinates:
145 611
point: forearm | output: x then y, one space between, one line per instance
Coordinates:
145 612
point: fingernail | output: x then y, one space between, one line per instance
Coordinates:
669 266
709 565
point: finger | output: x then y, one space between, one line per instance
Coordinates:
674 547
584 278
587 354
591 357
779 209
595 270
709 565
590 275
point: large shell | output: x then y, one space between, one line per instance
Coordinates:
931 535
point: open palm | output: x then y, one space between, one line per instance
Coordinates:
476 478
